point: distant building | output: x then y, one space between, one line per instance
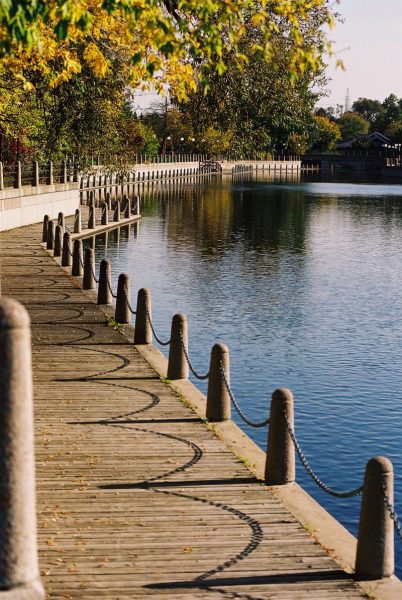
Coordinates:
374 140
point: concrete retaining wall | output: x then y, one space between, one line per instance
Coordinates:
28 205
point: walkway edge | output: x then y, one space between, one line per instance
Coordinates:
323 527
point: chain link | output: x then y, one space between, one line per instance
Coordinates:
133 312
94 274
236 405
110 288
153 329
391 510
194 372
314 477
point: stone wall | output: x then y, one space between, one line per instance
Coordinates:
28 205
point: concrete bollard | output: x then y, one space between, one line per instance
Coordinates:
280 461
19 571
61 221
218 399
104 293
375 541
76 269
50 235
105 214
45 228
177 365
116 212
136 209
57 241
127 208
109 201
143 331
77 221
91 218
66 254
88 279
122 312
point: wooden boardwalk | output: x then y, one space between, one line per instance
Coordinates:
136 497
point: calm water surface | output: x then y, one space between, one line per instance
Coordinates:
302 280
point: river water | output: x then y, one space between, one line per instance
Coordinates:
301 278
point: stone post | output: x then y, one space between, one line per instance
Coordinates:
77 221
280 461
104 293
65 177
45 228
127 208
50 235
91 218
57 241
122 312
76 269
66 255
1 176
136 205
105 214
19 571
116 213
375 542
109 201
177 365
218 399
143 331
61 221
88 279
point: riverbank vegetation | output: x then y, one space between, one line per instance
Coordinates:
244 74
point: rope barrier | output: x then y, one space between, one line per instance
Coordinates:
236 405
314 477
194 372
153 329
392 512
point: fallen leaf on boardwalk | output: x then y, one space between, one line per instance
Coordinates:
50 542
187 549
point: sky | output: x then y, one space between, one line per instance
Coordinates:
370 44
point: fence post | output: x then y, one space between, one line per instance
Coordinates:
18 181
143 331
19 571
137 205
177 365
61 221
280 461
218 399
65 177
375 542
116 213
36 174
66 255
50 235
76 269
108 201
45 228
122 312
77 221
57 241
88 279
1 176
104 294
50 173
127 208
105 214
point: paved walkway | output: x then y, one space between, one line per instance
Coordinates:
136 497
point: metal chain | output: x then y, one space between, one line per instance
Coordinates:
235 404
391 510
317 480
110 288
153 329
94 274
133 312
194 372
